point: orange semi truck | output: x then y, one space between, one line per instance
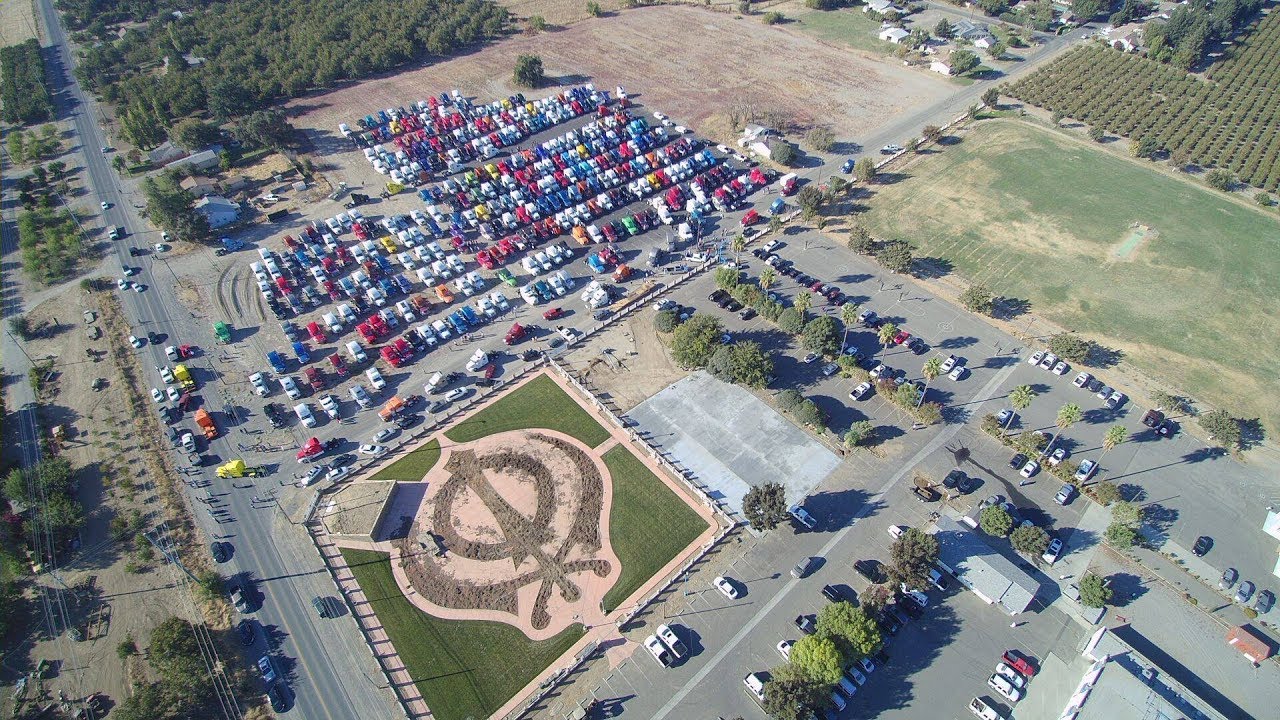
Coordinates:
205 421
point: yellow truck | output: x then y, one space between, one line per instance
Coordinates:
183 376
237 468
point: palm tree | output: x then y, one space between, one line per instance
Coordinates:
1116 434
738 244
887 331
1020 398
804 301
767 278
848 316
1068 415
932 369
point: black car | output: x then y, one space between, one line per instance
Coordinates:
806 624
1167 428
134 252
529 355
967 485
760 253
1266 600
717 296
343 460
248 633
1094 385
747 314
733 306
332 443
837 593
279 702
872 570
953 478
888 622
407 421
917 346
1203 545
1017 461
221 551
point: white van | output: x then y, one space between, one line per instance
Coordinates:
347 314
290 388
304 414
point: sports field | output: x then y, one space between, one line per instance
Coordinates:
464 668
1184 281
538 403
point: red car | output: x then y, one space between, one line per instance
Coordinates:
901 337
1019 663
751 218
514 334
485 259
339 366
553 313
491 370
816 286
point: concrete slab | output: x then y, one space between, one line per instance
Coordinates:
730 440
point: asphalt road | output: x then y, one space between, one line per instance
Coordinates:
326 684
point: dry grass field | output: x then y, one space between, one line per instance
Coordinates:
17 21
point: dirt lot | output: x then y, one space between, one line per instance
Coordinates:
735 61
628 364
17 22
116 592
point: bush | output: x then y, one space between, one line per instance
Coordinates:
1093 593
860 240
19 325
665 321
127 647
822 4
727 278
895 255
808 413
593 9
537 23
529 71
772 18
1121 536
1144 147
1220 179
1262 198
1096 133
789 400
791 321
1070 346
820 139
1105 492
781 151
864 170
1222 428
995 521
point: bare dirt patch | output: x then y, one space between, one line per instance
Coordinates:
649 51
520 514
628 364
17 22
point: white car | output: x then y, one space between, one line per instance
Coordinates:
290 388
157 395
456 394
1031 468
173 393
1052 552
124 284
726 587
916 596
303 411
784 648
810 358
135 341
105 205
1013 676
671 640
1004 688
374 451
384 435
891 149
1082 379
1057 457
338 473
895 531
166 374
861 391
657 650
948 363
830 369
1036 357
1060 368
958 372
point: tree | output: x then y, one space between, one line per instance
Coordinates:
932 369
860 240
693 342
1115 435
913 144
818 659
810 200
176 657
529 72
932 133
593 9
765 506
227 98
789 694
1087 9
978 299
781 151
864 170
848 316
1029 540
1222 428
859 433
1144 147
929 413
1096 133
943 29
1120 536
266 129
820 139
771 18
885 334
738 244
808 413
193 134
1105 492
173 208
727 278
911 557
789 400
768 277
991 97
537 23
744 363
995 51
895 255
854 633
1056 117
665 321
962 61
1127 513
791 321
775 223
1169 402
995 521
821 336
1220 179
1068 415
1093 593
1070 346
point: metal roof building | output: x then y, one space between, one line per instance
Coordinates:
990 575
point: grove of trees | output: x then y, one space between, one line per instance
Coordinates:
246 55
1228 121
51 244
24 92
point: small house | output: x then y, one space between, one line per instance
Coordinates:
984 41
941 64
218 210
1126 37
165 153
894 35
203 160
880 6
199 186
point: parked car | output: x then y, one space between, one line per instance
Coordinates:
1229 578
1065 494
1245 592
1052 551
726 587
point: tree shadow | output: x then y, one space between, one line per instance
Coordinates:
1157 519
949 140
846 147
1007 308
955 343
932 268
1101 356
1126 588
1252 433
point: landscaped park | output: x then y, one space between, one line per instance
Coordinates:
1180 278
548 523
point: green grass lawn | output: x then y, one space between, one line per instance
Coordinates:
540 403
412 467
464 668
849 27
1035 215
648 524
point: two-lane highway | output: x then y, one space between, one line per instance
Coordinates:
330 670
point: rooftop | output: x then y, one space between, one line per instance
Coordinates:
1122 684
983 570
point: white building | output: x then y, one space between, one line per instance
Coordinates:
894 35
219 210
